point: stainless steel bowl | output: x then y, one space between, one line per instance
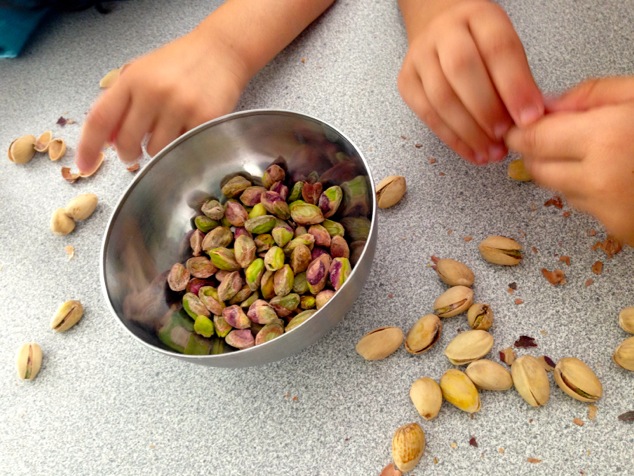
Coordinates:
147 232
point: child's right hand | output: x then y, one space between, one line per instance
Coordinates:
466 75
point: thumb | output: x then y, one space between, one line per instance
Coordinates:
594 93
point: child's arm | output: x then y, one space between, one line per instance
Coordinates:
192 79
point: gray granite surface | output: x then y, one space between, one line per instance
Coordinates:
104 404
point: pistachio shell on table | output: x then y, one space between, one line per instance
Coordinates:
423 334
61 223
56 149
22 149
426 396
468 346
453 272
458 389
480 316
42 142
517 171
501 250
624 354
626 319
531 380
380 343
67 315
578 380
390 191
489 375
408 446
454 301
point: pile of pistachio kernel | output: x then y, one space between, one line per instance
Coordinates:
265 260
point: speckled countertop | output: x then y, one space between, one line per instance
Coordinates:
104 404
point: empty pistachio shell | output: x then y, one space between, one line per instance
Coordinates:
426 396
391 470
626 319
22 149
82 206
453 301
517 171
489 375
390 191
67 315
408 446
56 149
380 343
578 380
61 223
501 250
29 361
624 354
531 380
458 389
480 316
469 346
453 272
423 334
41 144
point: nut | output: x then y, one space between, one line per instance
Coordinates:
82 206
42 142
578 380
501 250
489 375
517 171
423 334
458 389
453 301
453 272
380 343
390 191
408 446
531 380
67 315
626 319
61 223
29 361
469 346
22 149
480 316
426 396
624 354
56 149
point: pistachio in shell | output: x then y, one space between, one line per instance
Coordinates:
458 389
29 361
67 315
408 446
626 319
82 206
480 316
454 301
56 149
22 149
453 272
624 354
426 396
380 343
390 191
578 380
501 250
531 380
61 223
489 375
423 334
517 171
469 346
42 142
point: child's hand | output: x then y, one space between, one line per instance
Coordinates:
162 95
466 75
587 154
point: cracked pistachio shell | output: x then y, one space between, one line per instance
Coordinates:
489 375
61 223
480 316
299 319
235 186
458 389
67 315
453 301
56 149
390 191
269 332
626 319
82 206
408 446
240 338
22 149
517 171
578 380
178 277
423 334
501 250
624 354
42 142
380 343
531 380
468 346
426 396
453 272
29 361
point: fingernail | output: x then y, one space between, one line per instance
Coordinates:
530 114
500 129
497 152
480 159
